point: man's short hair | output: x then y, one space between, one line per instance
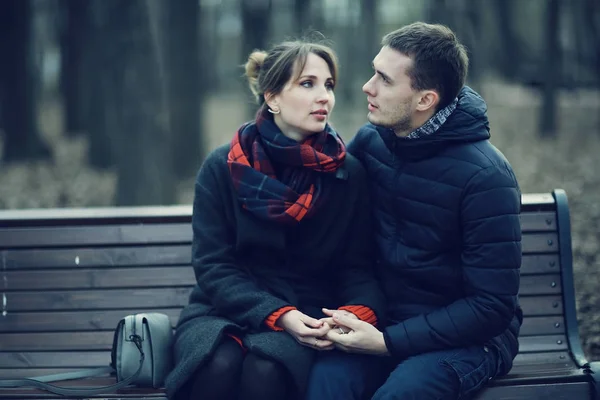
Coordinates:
440 61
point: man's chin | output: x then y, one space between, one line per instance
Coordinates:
377 121
372 119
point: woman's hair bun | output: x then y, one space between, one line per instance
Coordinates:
255 61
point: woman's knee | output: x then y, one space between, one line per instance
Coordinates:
263 379
226 360
263 370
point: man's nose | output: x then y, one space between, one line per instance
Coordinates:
367 87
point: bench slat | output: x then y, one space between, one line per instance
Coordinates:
74 321
539 264
102 340
533 326
26 283
100 235
540 284
559 358
56 341
97 257
164 234
97 299
11 373
541 305
176 296
153 256
532 344
99 278
538 221
539 243
556 391
64 359
21 259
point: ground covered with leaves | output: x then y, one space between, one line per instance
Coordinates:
568 161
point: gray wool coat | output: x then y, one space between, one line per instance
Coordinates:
247 268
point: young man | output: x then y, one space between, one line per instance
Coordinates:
446 206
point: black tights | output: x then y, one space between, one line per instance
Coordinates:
231 375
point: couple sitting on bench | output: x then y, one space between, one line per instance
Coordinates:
388 269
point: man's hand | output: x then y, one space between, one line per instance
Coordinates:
329 320
362 338
306 330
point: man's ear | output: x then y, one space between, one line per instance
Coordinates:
428 101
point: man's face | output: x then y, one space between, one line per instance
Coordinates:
392 101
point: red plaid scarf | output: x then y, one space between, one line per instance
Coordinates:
292 196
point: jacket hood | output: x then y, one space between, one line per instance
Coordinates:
467 123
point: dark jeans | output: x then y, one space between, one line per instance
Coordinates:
441 375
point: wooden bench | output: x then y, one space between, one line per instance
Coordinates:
68 275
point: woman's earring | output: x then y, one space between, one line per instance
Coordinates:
273 112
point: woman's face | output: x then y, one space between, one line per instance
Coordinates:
306 102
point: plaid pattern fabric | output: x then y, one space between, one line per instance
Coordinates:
295 194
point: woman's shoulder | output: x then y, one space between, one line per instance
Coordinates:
215 162
218 155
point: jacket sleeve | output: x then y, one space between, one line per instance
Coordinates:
357 282
229 286
491 259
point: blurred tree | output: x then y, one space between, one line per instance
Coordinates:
371 41
302 16
256 23
585 16
510 48
74 82
464 18
185 91
551 70
135 97
101 67
351 46
18 106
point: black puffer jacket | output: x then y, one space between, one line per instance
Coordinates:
448 233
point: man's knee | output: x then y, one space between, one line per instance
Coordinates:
445 375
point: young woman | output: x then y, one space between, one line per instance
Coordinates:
281 230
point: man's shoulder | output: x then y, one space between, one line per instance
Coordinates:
480 154
363 140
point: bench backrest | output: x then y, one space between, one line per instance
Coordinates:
68 276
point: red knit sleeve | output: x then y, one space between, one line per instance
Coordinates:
272 319
363 313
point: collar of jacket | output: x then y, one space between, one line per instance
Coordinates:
467 123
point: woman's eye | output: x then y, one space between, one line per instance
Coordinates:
306 84
330 85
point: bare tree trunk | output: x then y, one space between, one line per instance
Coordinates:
302 16
371 40
551 70
138 103
510 50
100 115
256 21
185 90
18 106
437 12
73 80
472 38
